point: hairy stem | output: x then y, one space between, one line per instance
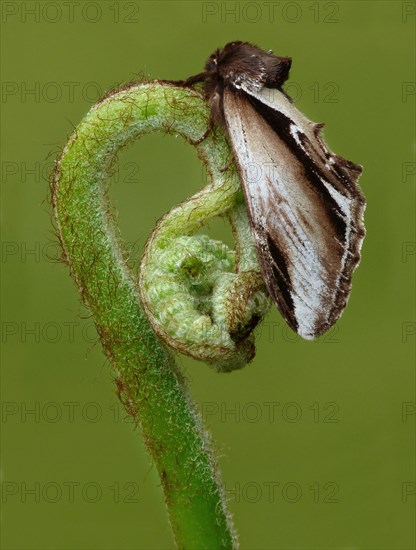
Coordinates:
148 380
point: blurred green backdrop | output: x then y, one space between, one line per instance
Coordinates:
316 440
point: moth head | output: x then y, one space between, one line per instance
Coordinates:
211 65
279 71
240 63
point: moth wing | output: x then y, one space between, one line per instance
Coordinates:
304 205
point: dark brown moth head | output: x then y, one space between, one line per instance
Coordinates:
237 65
241 62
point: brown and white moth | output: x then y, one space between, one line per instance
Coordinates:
303 201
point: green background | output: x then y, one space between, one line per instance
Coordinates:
316 440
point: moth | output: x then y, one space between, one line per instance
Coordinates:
304 205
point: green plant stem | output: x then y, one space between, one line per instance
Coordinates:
149 383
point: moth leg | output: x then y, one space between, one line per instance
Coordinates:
229 163
204 136
195 79
218 119
188 82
